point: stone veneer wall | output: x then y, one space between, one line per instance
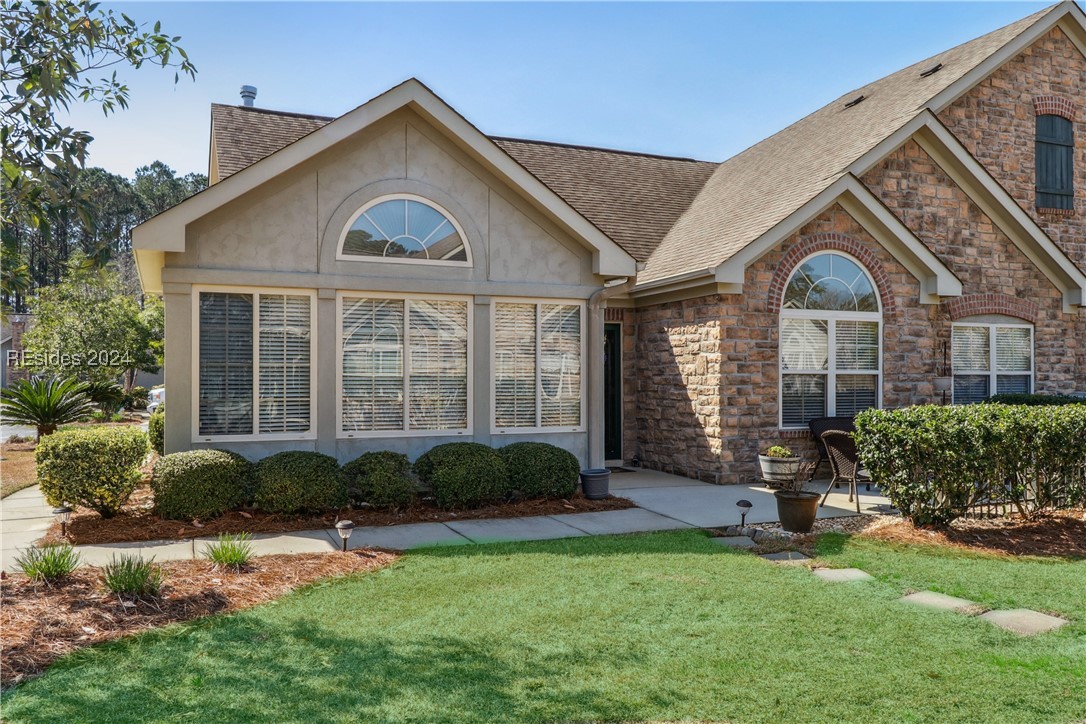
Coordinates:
919 193
708 367
996 122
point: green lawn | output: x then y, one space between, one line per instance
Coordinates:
666 626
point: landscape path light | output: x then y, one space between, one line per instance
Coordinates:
344 528
64 513
744 508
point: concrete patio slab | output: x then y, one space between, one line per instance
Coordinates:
940 601
515 529
404 537
842 575
734 541
786 558
642 478
713 506
1023 621
612 522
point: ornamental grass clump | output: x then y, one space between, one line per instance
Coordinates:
230 551
133 577
97 468
48 564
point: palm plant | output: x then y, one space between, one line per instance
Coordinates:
46 403
109 396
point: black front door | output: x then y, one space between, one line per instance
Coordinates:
612 391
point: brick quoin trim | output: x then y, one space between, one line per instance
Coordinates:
831 242
1055 106
993 304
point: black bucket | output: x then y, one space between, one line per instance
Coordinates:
596 483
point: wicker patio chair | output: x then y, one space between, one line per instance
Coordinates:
845 463
820 425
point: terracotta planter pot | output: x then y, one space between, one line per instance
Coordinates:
779 470
797 510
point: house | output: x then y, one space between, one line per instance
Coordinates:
394 279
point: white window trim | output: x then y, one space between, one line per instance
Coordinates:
406 431
539 428
831 317
992 372
340 256
255 292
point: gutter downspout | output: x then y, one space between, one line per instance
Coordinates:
595 365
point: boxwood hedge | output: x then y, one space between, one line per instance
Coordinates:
381 479
540 470
463 474
200 484
935 462
299 481
97 467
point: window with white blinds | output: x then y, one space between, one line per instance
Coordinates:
991 359
254 347
403 365
538 366
830 332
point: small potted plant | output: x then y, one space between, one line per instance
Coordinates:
797 508
779 465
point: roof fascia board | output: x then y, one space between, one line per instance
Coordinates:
166 232
971 176
702 287
1067 15
149 263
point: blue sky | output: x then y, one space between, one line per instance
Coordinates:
703 80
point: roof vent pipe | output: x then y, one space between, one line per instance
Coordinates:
248 95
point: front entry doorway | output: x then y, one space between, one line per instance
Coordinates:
612 391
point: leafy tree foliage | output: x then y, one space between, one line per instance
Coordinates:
56 54
88 326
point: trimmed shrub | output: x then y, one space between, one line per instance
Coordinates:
200 484
97 468
299 481
156 430
230 551
540 470
463 474
48 564
131 576
935 462
381 479
1034 400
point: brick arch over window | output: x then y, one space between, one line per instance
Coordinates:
974 304
1055 106
831 242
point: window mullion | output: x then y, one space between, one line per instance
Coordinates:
405 336
831 371
256 363
538 365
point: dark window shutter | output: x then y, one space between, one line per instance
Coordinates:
1055 162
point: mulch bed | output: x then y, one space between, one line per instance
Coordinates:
138 522
1059 534
39 624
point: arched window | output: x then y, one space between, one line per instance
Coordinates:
830 356
404 228
1055 163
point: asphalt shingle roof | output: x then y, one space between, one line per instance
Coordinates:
680 214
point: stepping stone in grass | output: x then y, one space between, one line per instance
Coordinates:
787 558
734 541
1023 621
941 601
842 575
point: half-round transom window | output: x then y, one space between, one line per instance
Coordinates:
404 229
830 282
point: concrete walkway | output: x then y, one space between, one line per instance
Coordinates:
665 502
